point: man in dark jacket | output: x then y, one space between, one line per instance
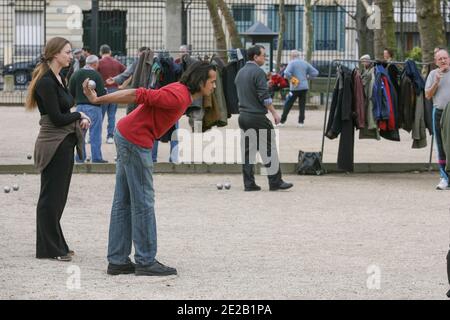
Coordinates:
258 133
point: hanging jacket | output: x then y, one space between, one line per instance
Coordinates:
358 100
445 133
370 130
141 75
412 71
407 102
340 120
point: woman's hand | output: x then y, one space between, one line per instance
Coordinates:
85 124
89 93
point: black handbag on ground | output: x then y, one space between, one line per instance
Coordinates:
310 163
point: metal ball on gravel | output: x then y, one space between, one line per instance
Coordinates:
227 186
219 186
6 189
92 85
16 187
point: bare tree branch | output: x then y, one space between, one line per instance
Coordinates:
343 9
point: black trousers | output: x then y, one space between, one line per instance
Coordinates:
55 182
258 136
290 100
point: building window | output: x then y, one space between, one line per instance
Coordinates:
329 28
244 16
29 33
292 38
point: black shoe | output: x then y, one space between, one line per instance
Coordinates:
252 188
448 293
116 269
100 161
282 186
155 269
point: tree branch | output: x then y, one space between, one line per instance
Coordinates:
343 8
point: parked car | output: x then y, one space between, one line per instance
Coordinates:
323 67
21 70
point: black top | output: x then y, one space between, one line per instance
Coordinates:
54 99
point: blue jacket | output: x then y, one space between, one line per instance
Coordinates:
303 71
413 73
380 96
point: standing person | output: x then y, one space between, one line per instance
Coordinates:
124 76
437 88
388 54
109 67
59 134
254 102
86 52
94 112
132 213
297 72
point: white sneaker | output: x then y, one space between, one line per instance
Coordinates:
280 125
443 184
300 125
110 140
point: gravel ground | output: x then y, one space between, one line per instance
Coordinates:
330 237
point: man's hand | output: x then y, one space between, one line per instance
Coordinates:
276 117
438 77
110 81
89 93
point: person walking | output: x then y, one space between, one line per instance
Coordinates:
257 130
109 67
60 132
133 212
94 112
437 88
298 72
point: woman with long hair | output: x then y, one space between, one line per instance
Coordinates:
59 133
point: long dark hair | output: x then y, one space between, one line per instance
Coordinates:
52 48
196 75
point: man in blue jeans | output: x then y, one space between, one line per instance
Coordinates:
109 67
298 72
94 112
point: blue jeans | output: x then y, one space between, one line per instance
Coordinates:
95 131
173 148
110 109
132 214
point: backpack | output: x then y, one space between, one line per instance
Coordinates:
310 163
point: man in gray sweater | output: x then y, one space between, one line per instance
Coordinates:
258 133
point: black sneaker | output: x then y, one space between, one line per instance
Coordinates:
155 269
252 188
282 186
116 269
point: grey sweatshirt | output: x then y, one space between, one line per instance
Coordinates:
253 92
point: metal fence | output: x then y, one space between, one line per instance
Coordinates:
127 25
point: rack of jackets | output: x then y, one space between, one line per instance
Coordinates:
378 102
216 109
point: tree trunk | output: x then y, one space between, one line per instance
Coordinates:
219 34
231 25
281 31
309 35
431 28
365 35
385 37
